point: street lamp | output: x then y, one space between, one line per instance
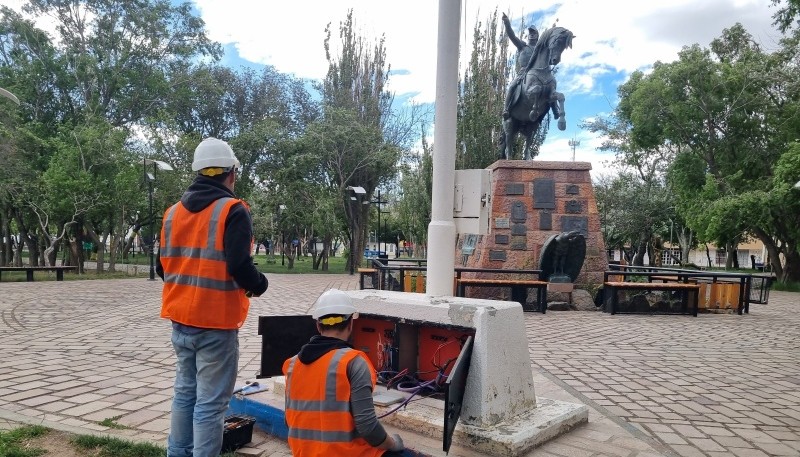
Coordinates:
151 178
357 191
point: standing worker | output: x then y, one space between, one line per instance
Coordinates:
329 386
204 260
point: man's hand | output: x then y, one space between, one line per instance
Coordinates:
397 444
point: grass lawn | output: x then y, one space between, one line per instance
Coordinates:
270 264
35 441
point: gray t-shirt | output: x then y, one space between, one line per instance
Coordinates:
361 406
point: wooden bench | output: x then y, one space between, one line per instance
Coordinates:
363 273
689 293
29 271
519 289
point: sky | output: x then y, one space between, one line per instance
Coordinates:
613 39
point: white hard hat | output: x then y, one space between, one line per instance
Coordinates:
212 152
333 301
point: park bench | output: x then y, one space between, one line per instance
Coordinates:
688 293
519 289
363 274
29 271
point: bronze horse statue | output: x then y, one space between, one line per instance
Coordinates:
536 93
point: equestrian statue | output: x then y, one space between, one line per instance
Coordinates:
533 92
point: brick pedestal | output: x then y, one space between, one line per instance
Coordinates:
532 200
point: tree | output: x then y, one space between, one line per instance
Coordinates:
108 67
353 136
724 111
481 97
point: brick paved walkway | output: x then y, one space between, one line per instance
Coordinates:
78 352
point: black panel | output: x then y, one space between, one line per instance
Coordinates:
545 220
576 223
501 239
519 243
516 188
497 255
454 393
281 338
519 229
573 207
544 194
518 212
573 189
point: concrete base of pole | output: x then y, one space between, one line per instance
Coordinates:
441 258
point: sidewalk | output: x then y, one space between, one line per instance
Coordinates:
78 352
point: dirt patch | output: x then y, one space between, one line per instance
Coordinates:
57 444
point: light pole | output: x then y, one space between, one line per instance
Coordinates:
573 143
282 207
379 202
357 191
151 178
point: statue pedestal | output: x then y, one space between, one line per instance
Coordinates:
532 200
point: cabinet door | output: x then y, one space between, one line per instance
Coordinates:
454 393
281 338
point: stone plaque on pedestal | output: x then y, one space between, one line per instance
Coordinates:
518 213
515 188
502 222
545 220
544 193
501 239
497 255
576 223
573 207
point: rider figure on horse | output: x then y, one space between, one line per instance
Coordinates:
524 55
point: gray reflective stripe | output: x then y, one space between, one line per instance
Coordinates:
319 435
194 253
197 281
318 405
288 381
209 252
330 403
330 381
168 228
212 226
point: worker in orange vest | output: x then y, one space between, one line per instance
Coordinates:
329 386
209 277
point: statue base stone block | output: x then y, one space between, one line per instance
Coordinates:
531 201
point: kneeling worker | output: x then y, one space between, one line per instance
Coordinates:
329 386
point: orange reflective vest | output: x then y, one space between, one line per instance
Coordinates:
318 407
198 290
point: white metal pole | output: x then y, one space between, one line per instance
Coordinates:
442 230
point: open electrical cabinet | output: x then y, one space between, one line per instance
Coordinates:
411 356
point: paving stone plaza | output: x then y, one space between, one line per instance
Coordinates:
77 352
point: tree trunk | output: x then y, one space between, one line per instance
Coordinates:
791 271
5 234
92 235
773 253
638 259
708 256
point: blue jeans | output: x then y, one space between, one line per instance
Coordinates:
204 381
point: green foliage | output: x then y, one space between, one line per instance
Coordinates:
13 442
481 97
111 422
716 121
106 446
